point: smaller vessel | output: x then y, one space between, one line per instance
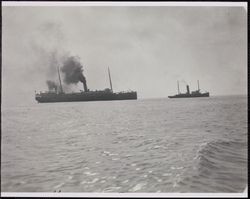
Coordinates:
196 93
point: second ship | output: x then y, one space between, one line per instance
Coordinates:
58 95
196 93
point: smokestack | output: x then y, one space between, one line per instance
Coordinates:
83 80
110 82
85 85
188 92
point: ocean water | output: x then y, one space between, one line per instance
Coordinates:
146 145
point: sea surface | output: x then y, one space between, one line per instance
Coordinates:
146 145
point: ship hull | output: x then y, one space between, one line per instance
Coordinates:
85 96
189 95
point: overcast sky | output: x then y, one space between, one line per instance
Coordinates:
146 48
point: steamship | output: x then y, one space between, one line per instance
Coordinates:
196 93
58 95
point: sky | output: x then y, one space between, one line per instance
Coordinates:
146 48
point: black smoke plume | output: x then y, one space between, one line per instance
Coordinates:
52 85
73 72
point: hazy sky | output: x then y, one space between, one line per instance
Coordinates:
146 48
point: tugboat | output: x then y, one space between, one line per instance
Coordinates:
58 95
196 93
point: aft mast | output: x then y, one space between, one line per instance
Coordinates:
61 89
110 82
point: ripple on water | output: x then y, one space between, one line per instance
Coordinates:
89 173
90 182
167 174
94 180
125 181
111 189
138 187
177 168
59 185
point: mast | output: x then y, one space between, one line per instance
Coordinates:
198 85
110 81
178 87
61 89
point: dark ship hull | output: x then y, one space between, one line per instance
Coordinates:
189 95
85 96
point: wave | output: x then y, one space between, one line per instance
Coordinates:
219 166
